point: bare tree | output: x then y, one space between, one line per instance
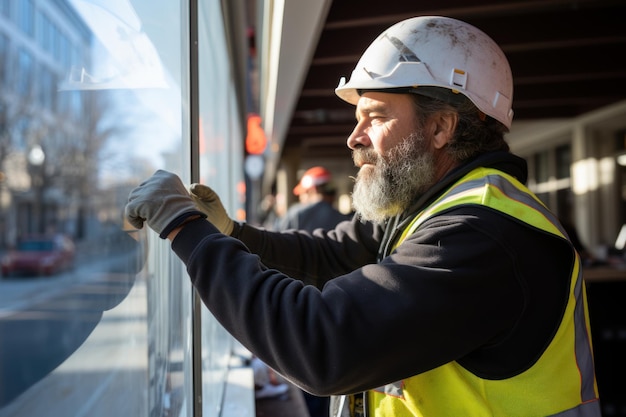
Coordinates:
80 149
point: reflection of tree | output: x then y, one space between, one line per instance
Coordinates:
5 134
122 156
72 138
23 126
14 117
79 162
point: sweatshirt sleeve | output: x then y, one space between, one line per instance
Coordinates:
317 256
431 301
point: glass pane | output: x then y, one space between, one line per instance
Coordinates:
563 161
221 152
542 167
94 315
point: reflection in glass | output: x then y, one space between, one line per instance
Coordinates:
221 154
93 95
90 104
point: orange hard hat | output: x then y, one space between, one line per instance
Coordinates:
313 177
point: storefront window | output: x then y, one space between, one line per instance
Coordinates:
96 317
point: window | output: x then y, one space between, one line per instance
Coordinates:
4 53
24 73
550 179
563 155
542 166
110 333
5 8
27 17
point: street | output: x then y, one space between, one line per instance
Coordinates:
72 342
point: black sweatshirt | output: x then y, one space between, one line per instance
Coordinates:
471 285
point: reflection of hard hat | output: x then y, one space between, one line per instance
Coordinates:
313 177
434 51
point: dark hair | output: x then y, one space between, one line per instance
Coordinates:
475 133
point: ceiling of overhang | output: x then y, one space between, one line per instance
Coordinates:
566 58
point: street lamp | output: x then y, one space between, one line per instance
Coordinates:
36 156
36 159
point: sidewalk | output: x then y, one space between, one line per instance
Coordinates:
290 404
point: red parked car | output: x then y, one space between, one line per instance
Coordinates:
40 255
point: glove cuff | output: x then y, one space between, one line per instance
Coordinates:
179 221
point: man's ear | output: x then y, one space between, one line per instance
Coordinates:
444 124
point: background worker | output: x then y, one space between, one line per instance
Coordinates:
316 195
453 291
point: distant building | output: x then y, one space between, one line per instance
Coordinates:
42 129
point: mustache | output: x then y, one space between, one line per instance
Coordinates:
363 156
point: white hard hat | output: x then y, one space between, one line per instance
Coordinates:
435 51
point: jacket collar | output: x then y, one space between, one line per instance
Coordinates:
504 161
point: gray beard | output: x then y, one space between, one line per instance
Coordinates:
388 186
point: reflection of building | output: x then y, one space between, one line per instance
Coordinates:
39 43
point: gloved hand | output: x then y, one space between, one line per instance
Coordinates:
162 201
209 203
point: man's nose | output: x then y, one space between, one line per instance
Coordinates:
358 138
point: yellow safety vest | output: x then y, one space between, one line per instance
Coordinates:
562 381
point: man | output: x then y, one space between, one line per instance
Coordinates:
315 209
452 292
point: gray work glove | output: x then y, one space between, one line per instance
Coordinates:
208 202
163 202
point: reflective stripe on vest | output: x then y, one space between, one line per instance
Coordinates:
557 384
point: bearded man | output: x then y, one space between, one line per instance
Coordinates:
453 291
